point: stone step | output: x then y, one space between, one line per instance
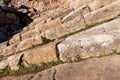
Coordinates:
2 47
55 29
90 43
107 68
41 24
35 55
108 12
93 4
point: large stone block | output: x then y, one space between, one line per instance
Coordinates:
70 23
106 13
93 4
29 42
40 54
23 45
91 43
29 34
11 61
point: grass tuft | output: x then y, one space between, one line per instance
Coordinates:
31 69
103 54
50 64
45 40
87 26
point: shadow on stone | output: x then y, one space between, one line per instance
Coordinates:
11 22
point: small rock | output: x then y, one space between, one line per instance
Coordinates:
3 64
14 61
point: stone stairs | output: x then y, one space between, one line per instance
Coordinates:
44 40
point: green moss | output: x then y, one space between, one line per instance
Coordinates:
33 46
104 21
87 26
116 51
31 68
1 71
45 40
1 57
7 71
102 54
50 64
71 33
22 70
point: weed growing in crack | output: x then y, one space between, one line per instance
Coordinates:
7 71
33 46
30 69
1 57
115 51
87 26
45 40
103 54
22 70
51 64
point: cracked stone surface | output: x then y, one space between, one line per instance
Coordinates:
56 19
11 61
106 68
44 75
91 43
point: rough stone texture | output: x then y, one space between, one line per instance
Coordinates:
9 50
37 29
93 4
112 26
44 75
23 77
97 4
66 28
53 19
91 42
95 69
29 42
23 45
3 64
108 12
11 61
79 12
40 54
53 28
60 14
29 34
22 41
49 25
2 46
15 39
107 68
11 22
